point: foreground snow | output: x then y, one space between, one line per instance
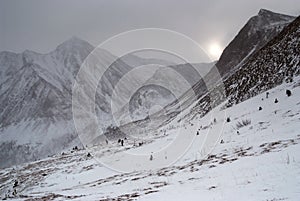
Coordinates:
259 161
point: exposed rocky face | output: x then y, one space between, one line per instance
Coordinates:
259 30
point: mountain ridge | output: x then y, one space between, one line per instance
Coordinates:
257 31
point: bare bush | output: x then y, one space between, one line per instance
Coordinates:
243 123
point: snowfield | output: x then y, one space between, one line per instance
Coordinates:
256 157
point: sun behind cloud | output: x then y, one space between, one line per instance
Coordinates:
215 50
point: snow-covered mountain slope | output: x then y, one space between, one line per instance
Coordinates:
166 85
36 97
257 160
259 30
36 100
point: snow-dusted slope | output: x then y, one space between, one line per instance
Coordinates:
255 161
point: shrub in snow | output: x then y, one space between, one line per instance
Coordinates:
15 184
14 193
288 92
289 79
228 119
243 123
276 101
151 157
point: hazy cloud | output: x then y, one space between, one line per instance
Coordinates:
42 25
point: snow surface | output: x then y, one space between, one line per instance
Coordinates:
259 161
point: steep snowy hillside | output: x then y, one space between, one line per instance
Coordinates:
254 35
256 160
275 63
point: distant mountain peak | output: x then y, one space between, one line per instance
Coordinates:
265 12
28 56
268 15
74 42
75 39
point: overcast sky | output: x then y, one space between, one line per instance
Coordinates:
41 25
